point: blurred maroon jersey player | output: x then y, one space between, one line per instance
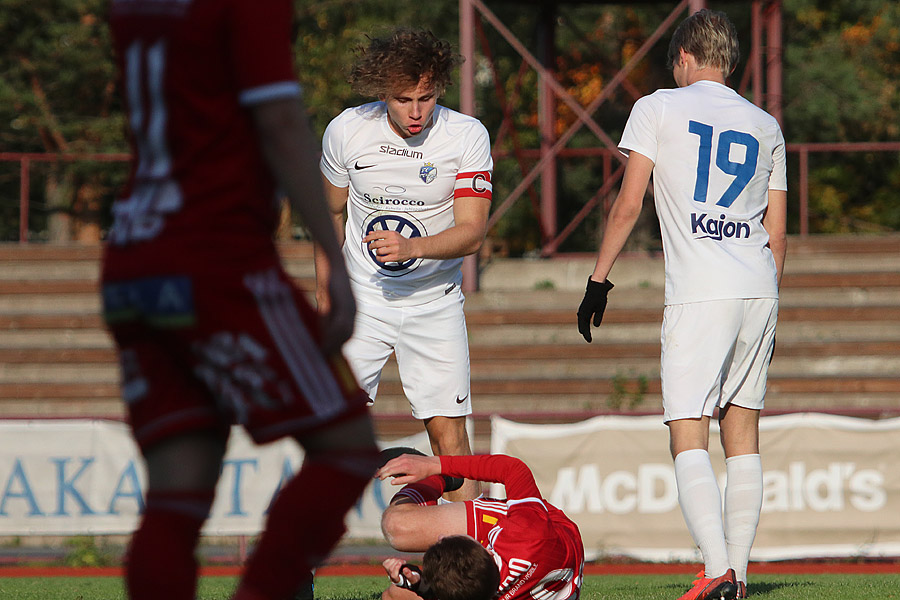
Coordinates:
201 195
535 547
210 329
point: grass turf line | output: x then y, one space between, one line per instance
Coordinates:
596 587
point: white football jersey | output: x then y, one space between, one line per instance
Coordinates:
716 156
407 185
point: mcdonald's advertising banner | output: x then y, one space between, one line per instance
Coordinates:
831 484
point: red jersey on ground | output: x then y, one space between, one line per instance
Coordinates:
538 549
200 195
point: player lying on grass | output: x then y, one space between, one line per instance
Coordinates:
478 549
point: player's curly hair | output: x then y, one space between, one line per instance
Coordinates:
710 37
459 568
400 60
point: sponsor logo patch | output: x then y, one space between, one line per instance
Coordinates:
703 227
392 151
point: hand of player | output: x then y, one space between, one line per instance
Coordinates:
409 468
393 567
389 246
592 305
338 321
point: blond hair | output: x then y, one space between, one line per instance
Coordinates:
710 37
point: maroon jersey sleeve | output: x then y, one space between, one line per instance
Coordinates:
261 47
495 468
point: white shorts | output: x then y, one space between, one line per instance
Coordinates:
432 349
716 353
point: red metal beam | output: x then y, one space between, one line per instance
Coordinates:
547 120
26 158
804 192
773 59
607 91
756 50
467 106
552 246
508 122
24 194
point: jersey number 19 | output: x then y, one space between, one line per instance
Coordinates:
742 171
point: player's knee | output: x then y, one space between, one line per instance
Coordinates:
399 526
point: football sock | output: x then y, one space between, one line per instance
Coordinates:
161 562
426 492
305 522
743 503
701 505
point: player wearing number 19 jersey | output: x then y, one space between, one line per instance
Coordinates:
715 156
718 166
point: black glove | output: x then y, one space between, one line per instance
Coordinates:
593 304
420 587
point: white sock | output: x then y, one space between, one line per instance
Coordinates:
743 502
701 505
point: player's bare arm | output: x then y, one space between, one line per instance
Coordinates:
465 237
775 222
285 140
336 198
624 213
619 223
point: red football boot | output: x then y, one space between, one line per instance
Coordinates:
723 587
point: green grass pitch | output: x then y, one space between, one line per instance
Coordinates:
596 587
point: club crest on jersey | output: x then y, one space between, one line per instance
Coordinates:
427 172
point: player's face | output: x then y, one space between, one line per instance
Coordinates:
410 110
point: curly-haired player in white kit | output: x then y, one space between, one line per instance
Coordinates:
415 179
718 165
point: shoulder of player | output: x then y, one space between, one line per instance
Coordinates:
764 121
456 122
371 111
354 124
655 100
531 507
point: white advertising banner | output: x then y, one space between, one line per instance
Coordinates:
80 477
831 484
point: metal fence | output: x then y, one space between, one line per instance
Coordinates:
800 197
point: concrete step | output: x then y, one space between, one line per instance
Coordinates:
838 338
499 352
530 387
488 316
510 335
509 370
44 253
87 302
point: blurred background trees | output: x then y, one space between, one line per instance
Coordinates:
58 94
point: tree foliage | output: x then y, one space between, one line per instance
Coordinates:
58 94
842 83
